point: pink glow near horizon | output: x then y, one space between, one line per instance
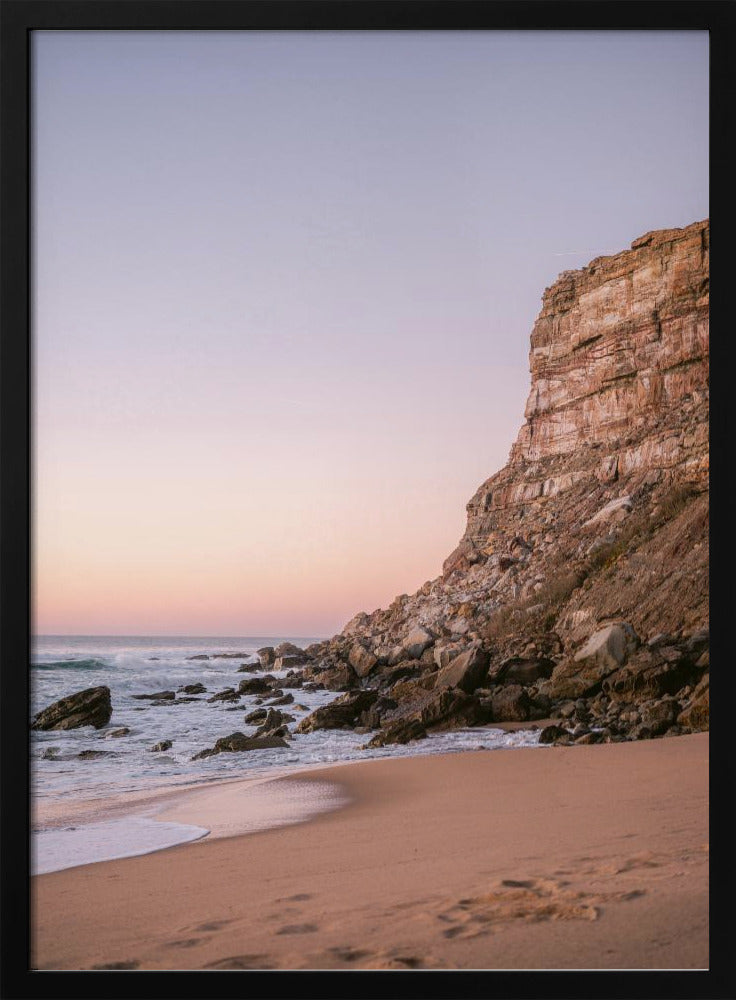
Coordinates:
284 285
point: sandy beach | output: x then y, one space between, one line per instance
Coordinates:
589 857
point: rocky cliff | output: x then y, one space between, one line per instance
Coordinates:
595 531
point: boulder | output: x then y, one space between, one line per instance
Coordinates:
289 660
410 689
199 656
239 742
640 732
416 642
552 733
372 716
646 677
587 738
510 704
273 722
449 708
340 677
466 671
287 649
400 671
157 696
256 685
229 694
525 672
93 754
291 680
444 652
280 731
403 731
91 707
338 714
283 699
256 717
266 655
192 689
605 651
160 747
361 659
113 734
658 716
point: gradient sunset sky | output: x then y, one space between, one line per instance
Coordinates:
283 290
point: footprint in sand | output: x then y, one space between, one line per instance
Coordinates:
376 959
213 925
241 962
132 964
530 900
349 954
400 962
184 942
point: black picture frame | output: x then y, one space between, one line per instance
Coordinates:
21 17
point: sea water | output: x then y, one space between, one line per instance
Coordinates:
128 665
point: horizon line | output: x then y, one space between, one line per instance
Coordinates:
167 635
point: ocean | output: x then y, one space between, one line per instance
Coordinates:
130 665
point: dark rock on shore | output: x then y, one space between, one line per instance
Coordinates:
289 661
510 704
228 694
274 723
466 671
371 717
340 713
94 754
257 685
340 677
238 742
163 745
112 734
361 659
659 716
192 689
525 672
266 655
157 696
284 699
398 732
551 734
91 707
292 680
449 708
603 653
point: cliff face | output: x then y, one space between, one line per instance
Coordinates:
619 366
598 520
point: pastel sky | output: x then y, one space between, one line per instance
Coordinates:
283 290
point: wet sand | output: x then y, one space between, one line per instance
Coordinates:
592 857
